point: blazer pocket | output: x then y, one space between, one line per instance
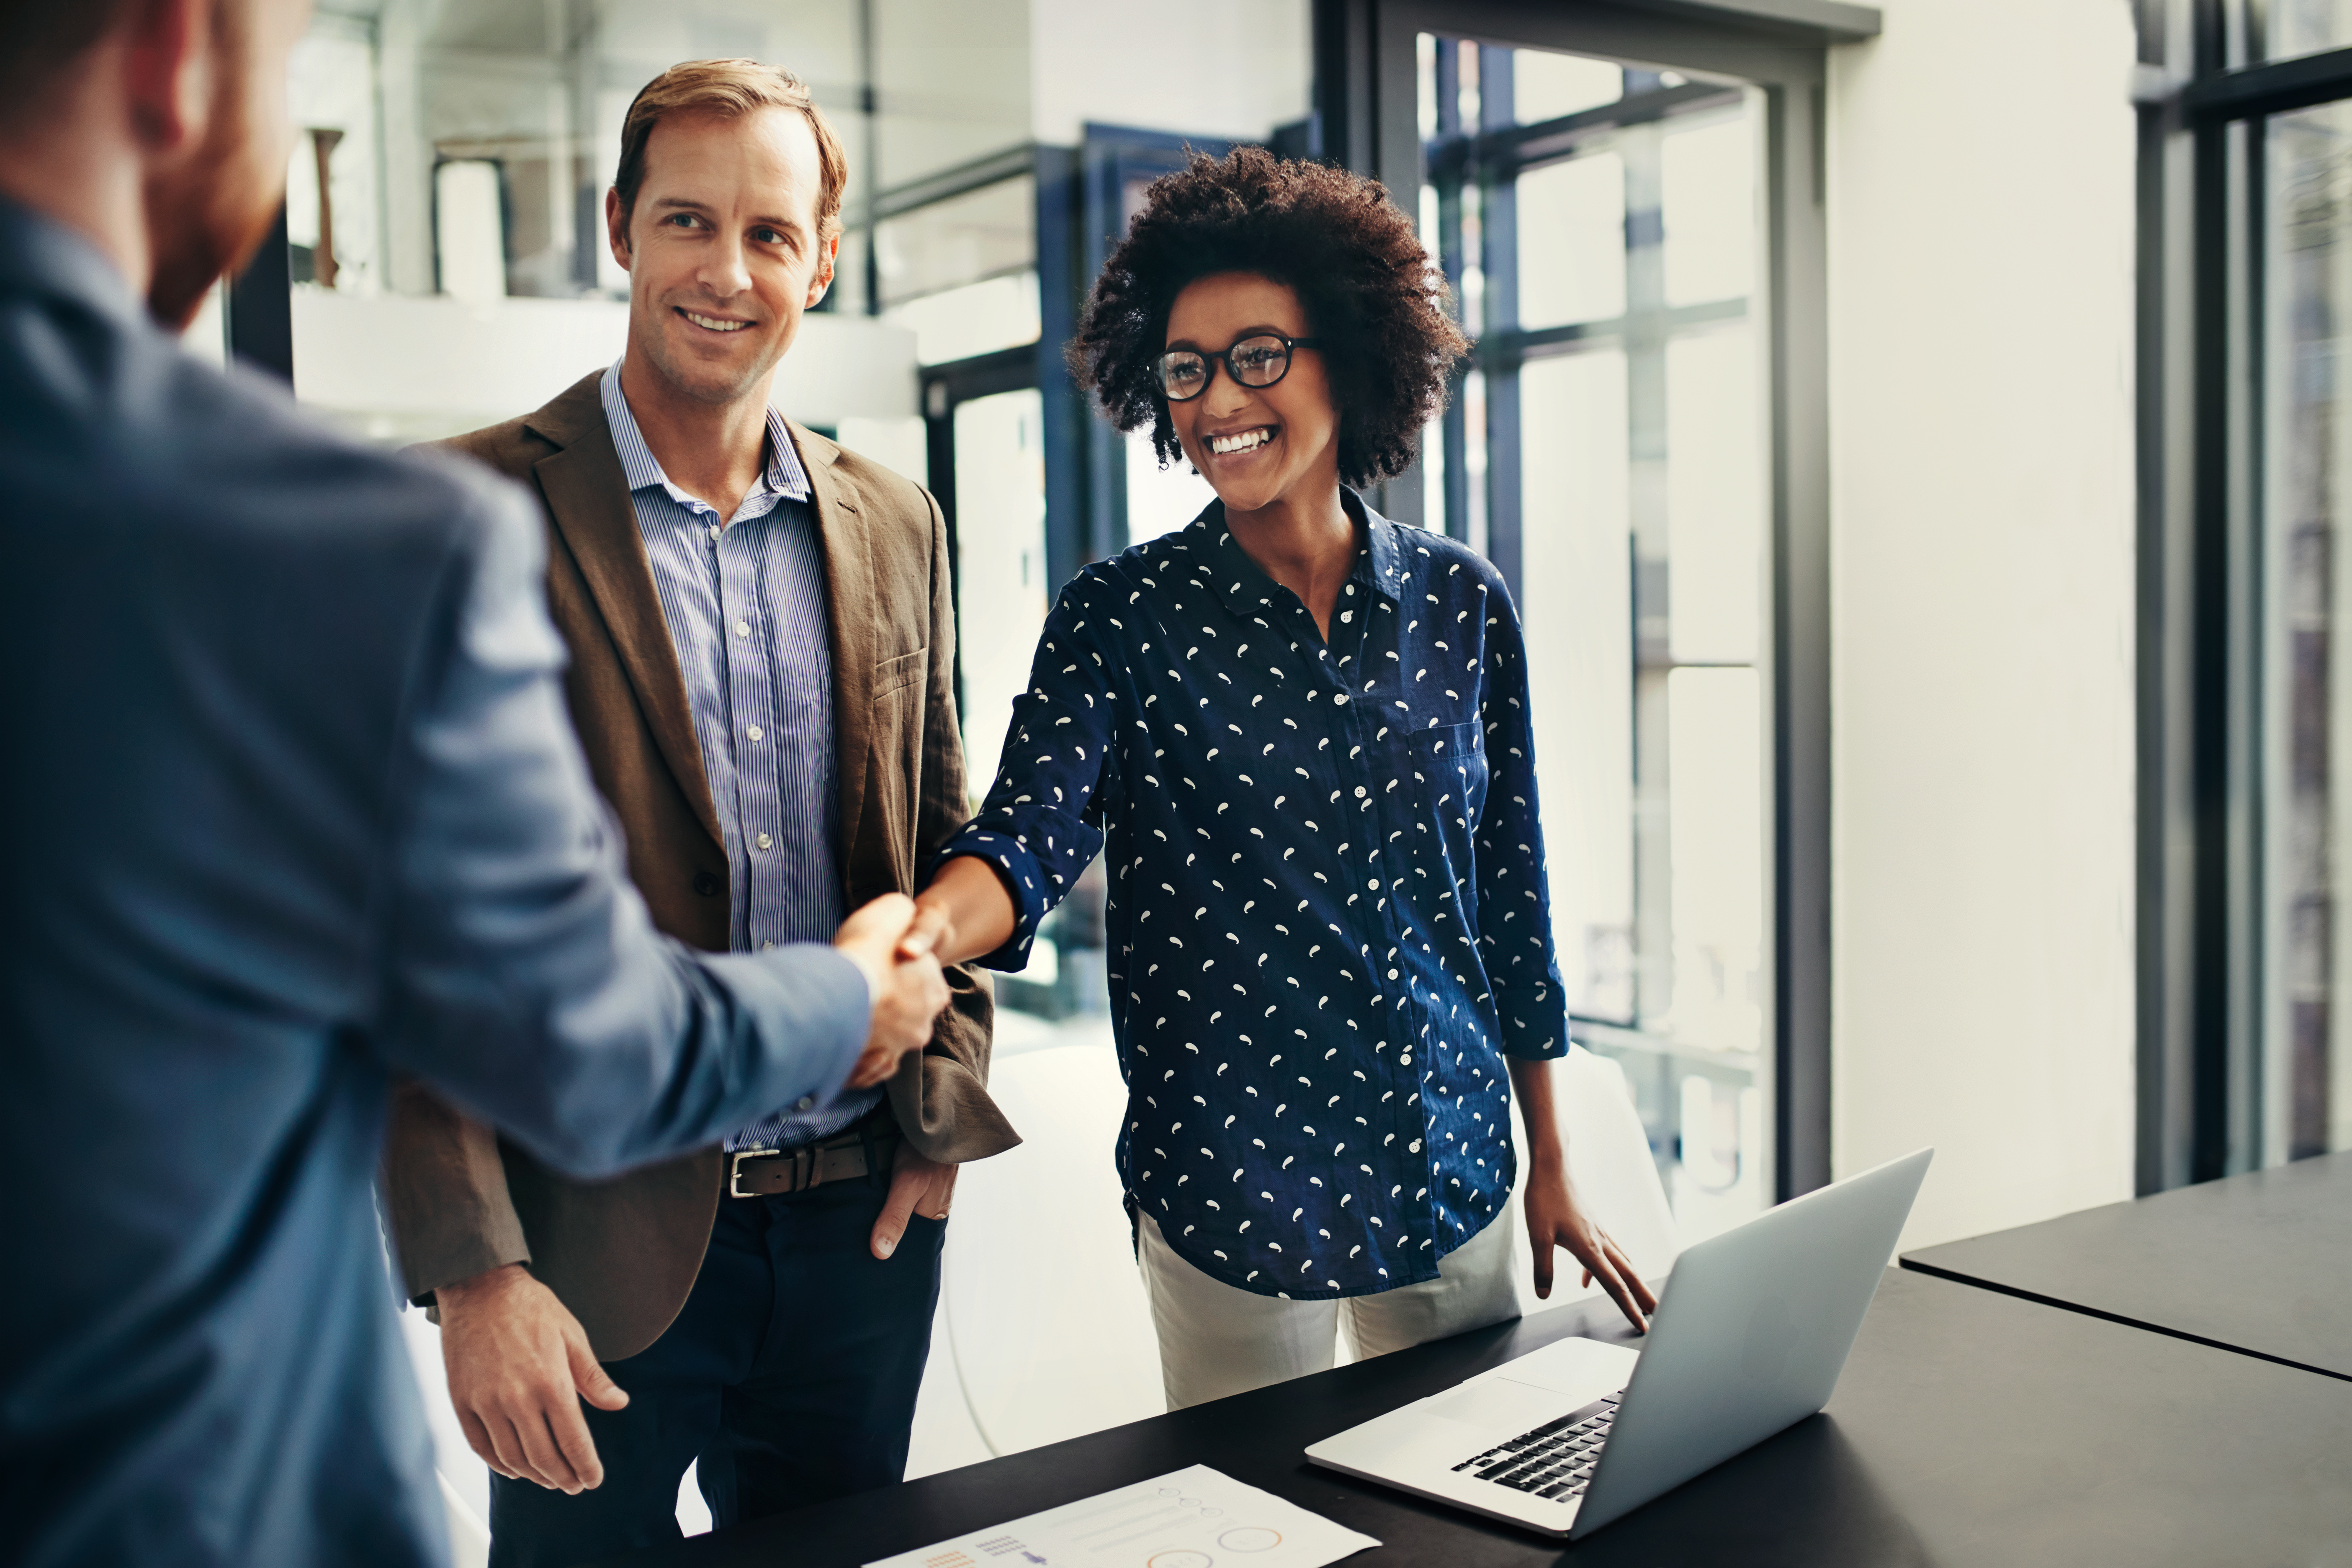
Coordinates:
906 669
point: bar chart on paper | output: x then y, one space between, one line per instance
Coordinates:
1194 1518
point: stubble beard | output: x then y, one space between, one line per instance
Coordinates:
703 381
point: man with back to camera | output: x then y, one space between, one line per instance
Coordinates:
763 675
294 806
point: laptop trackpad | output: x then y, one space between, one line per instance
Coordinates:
1499 1404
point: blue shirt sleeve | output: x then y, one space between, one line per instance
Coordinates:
1514 902
1040 824
520 974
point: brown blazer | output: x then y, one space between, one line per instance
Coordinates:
622 1254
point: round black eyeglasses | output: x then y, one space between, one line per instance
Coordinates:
1260 360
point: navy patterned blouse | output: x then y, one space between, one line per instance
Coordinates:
1327 920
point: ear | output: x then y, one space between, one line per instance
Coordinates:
823 281
617 228
168 66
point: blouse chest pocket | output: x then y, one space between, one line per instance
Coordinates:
1448 764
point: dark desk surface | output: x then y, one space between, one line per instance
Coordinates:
2259 1263
1971 1427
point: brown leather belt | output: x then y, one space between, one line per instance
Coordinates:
761 1173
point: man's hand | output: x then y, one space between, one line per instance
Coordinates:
917 1187
519 1366
1555 1218
908 993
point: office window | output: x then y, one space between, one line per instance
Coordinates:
2299 28
1001 592
949 242
1606 450
2246 495
2304 1077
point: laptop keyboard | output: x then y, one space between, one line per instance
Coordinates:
1556 1459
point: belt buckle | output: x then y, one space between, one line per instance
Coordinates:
804 1169
735 1170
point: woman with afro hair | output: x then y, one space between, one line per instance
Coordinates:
1299 734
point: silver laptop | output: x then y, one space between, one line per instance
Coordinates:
1750 1336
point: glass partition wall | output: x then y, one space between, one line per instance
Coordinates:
445 206
1605 449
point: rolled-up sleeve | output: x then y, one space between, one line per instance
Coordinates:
1040 825
520 972
1513 898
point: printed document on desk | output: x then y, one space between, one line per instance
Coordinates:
1193 1518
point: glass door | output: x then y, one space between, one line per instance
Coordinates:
1599 225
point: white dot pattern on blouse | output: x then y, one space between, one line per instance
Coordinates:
1327 920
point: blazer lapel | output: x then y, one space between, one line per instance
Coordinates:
843 531
588 495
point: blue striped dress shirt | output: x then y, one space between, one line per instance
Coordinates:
744 599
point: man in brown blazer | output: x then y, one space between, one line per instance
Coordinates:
763 652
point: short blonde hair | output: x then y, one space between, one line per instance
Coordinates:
729 88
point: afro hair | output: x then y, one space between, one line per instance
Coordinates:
1372 297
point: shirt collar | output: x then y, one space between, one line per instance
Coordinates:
37 250
1246 588
1387 548
784 475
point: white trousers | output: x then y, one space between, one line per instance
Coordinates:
1216 1339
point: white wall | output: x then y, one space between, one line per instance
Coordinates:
1216 67
1981 213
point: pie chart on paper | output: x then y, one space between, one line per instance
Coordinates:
1191 1518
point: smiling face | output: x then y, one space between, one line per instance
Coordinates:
722 249
1255 445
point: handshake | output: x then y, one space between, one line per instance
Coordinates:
902 977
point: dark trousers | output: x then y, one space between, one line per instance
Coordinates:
791 1375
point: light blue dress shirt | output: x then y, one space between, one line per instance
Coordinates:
291 804
744 599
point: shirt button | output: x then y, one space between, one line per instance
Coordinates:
714 533
742 629
765 946
765 841
754 731
1371 881
805 1102
1340 700
1359 792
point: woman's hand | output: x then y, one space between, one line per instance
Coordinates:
1554 1216
1556 1219
964 913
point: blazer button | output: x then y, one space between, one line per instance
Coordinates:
706 884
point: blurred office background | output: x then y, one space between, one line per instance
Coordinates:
1909 433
